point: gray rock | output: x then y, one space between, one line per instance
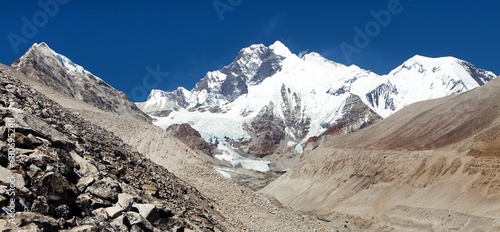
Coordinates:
133 218
11 179
84 182
86 168
114 211
62 211
148 211
125 201
118 224
100 214
106 188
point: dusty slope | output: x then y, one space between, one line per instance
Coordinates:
433 166
245 208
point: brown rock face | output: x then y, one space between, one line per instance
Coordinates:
189 136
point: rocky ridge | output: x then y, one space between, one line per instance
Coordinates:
72 175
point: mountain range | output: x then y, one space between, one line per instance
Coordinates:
329 147
269 101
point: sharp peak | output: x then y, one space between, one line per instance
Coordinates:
277 47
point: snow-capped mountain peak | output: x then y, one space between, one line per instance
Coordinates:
270 100
64 62
280 49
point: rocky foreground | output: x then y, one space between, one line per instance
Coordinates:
70 175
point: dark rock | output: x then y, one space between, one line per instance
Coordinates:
40 205
62 211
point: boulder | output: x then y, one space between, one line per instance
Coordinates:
118 224
40 205
114 211
84 182
148 211
125 201
106 188
9 178
133 218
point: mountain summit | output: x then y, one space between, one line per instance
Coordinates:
269 100
57 71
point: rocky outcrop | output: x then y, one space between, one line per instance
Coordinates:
71 175
192 138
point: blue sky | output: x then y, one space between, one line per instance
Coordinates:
187 38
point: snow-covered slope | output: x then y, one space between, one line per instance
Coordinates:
422 78
269 100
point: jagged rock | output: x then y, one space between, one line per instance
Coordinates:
125 201
136 228
148 211
62 211
84 182
43 222
114 211
189 136
101 214
11 179
106 188
56 188
40 205
133 218
32 227
118 224
86 168
28 124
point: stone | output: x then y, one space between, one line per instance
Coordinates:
125 201
106 188
62 211
148 211
23 141
100 214
40 205
118 224
133 218
45 223
86 168
56 188
11 179
30 124
114 211
84 182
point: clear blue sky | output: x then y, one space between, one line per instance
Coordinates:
117 41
